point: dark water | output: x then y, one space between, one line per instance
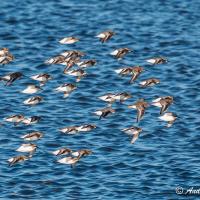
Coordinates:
161 158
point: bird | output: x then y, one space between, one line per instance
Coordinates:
81 153
135 71
109 98
68 40
157 60
123 96
35 135
16 119
66 88
120 53
76 72
4 51
133 131
168 117
104 112
62 151
42 78
86 63
149 82
18 159
10 78
105 36
163 103
68 161
69 130
27 148
31 89
31 120
55 60
124 71
5 56
86 127
33 100
6 59
140 106
72 53
70 62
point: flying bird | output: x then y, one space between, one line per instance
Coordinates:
140 106
104 112
157 60
68 40
134 132
105 36
120 53
163 103
149 82
169 117
66 88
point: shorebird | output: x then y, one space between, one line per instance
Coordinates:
69 161
68 40
27 148
140 106
104 112
42 78
169 117
6 59
62 151
86 63
81 153
31 120
31 89
124 71
120 53
36 135
66 88
55 60
72 53
149 82
133 131
123 96
77 72
33 100
18 159
157 60
109 98
4 51
135 71
163 103
10 78
69 130
16 119
70 62
105 36
86 127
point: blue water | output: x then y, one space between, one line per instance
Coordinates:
161 159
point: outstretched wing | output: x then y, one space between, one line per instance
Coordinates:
135 137
140 113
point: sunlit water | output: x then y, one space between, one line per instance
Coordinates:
161 158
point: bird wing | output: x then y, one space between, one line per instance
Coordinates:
164 107
141 111
135 137
134 77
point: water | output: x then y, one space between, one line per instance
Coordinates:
161 158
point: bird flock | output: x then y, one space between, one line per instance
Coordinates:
75 66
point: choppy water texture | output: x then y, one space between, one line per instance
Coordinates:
161 158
